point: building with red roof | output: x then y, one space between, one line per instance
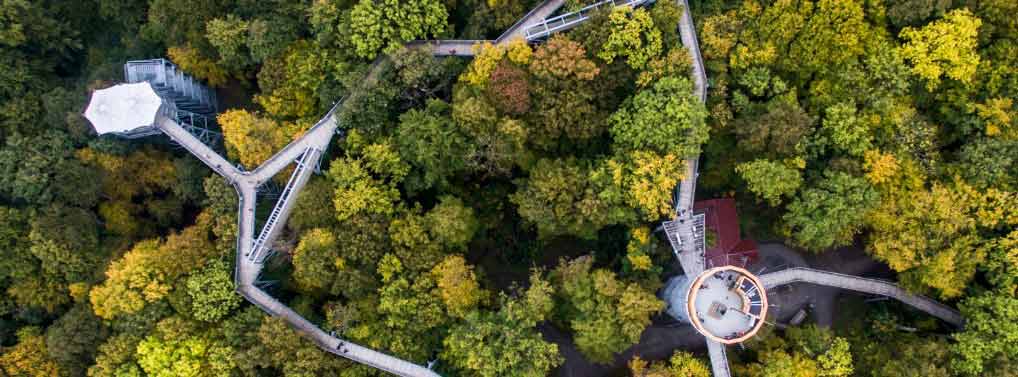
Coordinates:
726 248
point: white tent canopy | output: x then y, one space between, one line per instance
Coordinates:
123 108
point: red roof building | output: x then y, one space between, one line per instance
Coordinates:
726 248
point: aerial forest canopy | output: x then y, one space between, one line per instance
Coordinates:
488 212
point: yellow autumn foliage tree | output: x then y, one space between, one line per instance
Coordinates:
681 364
880 167
252 139
457 286
632 35
290 82
131 184
486 58
29 357
190 60
648 179
946 47
936 238
639 240
1000 118
146 273
141 172
519 52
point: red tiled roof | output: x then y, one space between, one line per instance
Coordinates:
721 217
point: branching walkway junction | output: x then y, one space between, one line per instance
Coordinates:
253 250
685 232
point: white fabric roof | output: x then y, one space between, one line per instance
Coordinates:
123 108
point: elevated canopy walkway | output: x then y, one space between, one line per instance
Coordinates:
686 236
686 225
465 47
181 135
198 125
305 151
305 167
864 285
718 359
532 27
330 343
691 254
549 26
538 14
686 233
318 137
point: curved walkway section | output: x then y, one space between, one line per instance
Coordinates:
252 251
864 285
248 269
330 343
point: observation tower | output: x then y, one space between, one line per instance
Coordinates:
725 304
154 88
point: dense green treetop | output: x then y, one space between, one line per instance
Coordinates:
606 315
666 118
386 24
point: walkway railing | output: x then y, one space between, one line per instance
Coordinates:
333 344
199 126
570 20
251 252
690 40
317 136
170 82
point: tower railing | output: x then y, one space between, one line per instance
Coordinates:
173 84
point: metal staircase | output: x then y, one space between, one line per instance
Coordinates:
261 250
173 84
570 20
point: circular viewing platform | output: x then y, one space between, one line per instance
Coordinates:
727 304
